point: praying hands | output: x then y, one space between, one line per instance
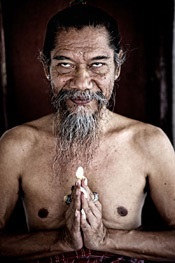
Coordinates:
84 225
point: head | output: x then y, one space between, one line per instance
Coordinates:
78 123
77 17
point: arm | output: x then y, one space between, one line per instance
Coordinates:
156 246
13 148
134 243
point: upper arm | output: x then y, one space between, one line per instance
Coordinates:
162 176
10 169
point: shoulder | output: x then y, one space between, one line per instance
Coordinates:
152 138
20 139
146 136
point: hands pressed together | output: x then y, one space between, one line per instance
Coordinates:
84 226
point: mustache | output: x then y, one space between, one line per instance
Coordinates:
59 99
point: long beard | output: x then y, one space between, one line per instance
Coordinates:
77 128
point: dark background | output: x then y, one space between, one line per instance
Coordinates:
145 87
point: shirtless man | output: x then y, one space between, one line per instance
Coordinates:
82 60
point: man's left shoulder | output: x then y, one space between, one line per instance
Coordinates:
139 131
153 138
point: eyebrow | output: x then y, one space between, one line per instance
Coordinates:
100 58
95 58
61 58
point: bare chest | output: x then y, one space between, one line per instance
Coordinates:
118 179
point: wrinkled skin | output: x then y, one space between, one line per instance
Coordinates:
84 224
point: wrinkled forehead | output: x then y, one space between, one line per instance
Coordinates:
87 39
87 35
87 42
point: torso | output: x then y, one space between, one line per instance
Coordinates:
117 173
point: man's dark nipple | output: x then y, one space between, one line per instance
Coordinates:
43 212
122 211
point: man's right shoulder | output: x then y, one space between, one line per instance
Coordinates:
23 138
26 134
18 139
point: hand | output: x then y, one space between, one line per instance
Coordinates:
94 232
73 236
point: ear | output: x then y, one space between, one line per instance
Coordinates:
118 67
117 72
46 71
45 66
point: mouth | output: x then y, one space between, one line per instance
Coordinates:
80 101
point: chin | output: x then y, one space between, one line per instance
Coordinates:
86 108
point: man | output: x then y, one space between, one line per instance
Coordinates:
95 216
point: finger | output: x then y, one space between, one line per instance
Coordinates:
89 202
93 212
83 221
84 182
98 205
91 217
73 220
84 192
76 193
70 212
76 223
75 203
95 208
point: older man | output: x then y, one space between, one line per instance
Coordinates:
83 170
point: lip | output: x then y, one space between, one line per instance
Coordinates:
80 102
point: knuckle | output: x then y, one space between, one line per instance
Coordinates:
83 225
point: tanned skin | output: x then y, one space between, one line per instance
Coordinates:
130 153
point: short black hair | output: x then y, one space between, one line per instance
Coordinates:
79 16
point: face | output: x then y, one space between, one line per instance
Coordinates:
82 72
83 61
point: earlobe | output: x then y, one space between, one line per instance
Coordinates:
48 77
46 72
117 72
45 66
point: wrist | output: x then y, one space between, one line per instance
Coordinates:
110 243
61 242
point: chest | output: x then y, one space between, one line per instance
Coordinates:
118 180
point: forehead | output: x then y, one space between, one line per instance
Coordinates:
85 40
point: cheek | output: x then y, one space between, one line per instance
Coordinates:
58 82
107 85
56 78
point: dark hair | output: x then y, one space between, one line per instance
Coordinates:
79 16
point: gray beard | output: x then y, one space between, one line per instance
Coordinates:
77 130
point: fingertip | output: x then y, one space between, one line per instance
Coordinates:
78 182
84 192
86 181
76 213
83 213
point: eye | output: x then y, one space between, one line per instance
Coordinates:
66 65
97 65
99 68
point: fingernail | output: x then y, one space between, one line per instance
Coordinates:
83 191
76 213
77 182
83 213
86 181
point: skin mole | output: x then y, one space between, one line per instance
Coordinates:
43 212
122 211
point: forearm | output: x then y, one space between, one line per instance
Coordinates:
144 245
33 245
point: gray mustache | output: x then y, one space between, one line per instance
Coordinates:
59 99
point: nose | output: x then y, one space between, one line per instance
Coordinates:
81 80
